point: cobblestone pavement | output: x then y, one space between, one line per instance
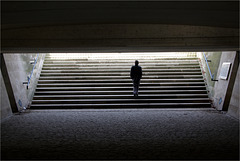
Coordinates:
168 134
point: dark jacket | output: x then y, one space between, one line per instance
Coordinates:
136 72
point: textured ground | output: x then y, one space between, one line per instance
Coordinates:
120 134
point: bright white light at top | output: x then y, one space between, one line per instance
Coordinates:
139 55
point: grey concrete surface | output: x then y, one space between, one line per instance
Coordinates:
160 134
222 88
214 58
234 104
5 109
205 13
119 26
18 68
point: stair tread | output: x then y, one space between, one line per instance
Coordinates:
120 87
123 71
121 100
117 61
144 73
119 74
130 83
120 64
140 96
116 65
111 104
97 87
112 77
122 59
135 98
124 84
114 106
123 68
99 64
155 91
117 80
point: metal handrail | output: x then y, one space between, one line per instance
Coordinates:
29 78
211 75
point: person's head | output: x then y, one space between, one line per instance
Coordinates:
136 62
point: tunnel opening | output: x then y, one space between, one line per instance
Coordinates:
102 80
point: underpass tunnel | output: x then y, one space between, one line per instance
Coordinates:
66 91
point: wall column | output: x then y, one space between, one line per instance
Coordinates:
8 85
223 88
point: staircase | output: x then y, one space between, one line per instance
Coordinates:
103 81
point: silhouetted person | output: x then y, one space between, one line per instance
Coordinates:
136 75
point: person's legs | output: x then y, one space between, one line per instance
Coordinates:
134 88
136 83
137 86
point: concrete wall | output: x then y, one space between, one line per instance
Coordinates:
222 87
233 109
5 109
214 58
19 67
119 38
119 26
195 13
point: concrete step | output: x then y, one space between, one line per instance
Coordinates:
120 74
127 59
120 84
147 96
120 105
125 92
120 81
132 100
119 77
120 65
120 88
110 68
121 71
124 68
48 60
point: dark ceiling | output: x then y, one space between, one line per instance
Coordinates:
198 13
74 26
